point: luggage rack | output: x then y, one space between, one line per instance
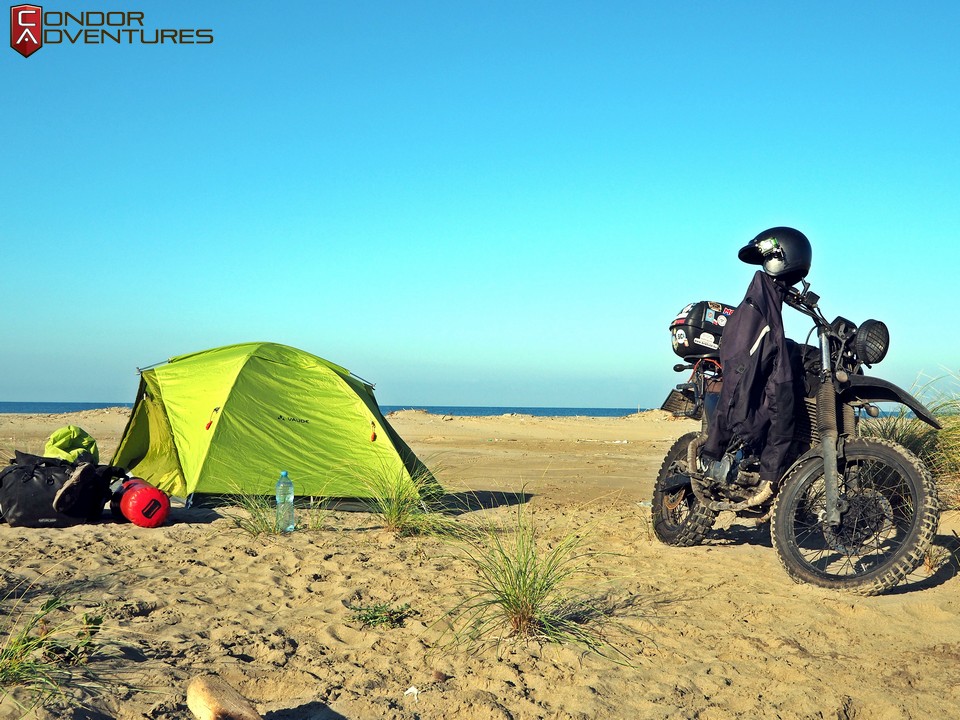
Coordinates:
681 404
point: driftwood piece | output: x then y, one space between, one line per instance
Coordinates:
211 698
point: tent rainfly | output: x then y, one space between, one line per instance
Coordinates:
228 420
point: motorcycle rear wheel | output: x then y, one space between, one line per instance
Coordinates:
679 518
889 517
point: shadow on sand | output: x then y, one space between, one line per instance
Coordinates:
310 711
941 564
204 509
740 534
458 503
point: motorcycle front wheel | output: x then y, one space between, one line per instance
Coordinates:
679 518
889 517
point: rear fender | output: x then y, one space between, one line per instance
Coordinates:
671 485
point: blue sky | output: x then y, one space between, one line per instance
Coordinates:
471 203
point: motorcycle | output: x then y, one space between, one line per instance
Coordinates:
851 512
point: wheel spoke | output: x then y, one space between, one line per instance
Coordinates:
888 518
875 523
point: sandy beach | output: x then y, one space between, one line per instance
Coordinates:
712 632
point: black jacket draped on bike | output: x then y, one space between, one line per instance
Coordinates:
756 402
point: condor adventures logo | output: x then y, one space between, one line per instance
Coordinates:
26 29
31 28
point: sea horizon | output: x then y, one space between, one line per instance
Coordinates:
58 408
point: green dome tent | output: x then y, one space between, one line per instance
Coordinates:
228 420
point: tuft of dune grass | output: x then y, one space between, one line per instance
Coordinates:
527 588
54 648
938 449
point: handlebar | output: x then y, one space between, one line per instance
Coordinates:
806 302
802 299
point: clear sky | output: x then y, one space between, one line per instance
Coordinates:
471 203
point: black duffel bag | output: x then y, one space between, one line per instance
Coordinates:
49 492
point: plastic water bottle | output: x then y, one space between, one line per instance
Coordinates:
286 520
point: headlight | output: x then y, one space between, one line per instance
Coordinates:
871 342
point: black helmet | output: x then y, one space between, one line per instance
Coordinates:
785 254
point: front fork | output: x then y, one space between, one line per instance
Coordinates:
829 433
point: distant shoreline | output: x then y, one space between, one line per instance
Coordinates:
484 411
58 408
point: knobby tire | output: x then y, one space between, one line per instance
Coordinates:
890 520
679 518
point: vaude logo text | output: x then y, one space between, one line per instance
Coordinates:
31 28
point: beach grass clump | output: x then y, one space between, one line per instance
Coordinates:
381 614
408 504
938 449
50 645
37 648
314 513
943 554
934 558
257 514
946 463
526 588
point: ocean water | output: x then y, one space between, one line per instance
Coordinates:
471 411
55 408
